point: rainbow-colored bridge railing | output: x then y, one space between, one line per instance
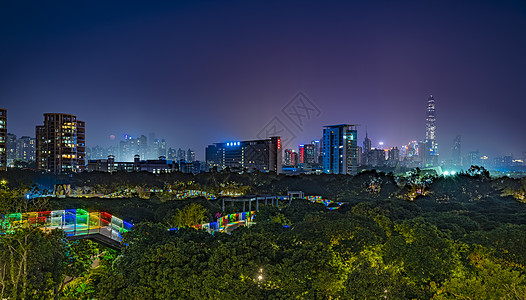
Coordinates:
319 199
74 222
223 223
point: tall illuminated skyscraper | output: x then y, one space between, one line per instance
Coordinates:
3 139
60 144
456 153
340 149
430 156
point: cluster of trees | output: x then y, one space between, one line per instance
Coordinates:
419 237
307 253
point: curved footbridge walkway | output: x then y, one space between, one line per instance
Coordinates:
106 229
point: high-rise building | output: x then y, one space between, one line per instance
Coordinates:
393 155
301 151
317 151
308 154
3 139
340 147
456 153
190 155
474 158
128 148
172 154
60 144
262 155
11 149
159 148
181 154
142 147
367 146
430 157
25 149
291 157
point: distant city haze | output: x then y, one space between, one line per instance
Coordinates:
203 72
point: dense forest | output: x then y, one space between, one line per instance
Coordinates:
411 237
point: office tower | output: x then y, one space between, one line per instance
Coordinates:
456 154
25 149
190 155
301 152
60 144
172 154
359 157
142 147
98 152
287 159
181 154
3 139
474 158
11 149
317 150
340 147
308 154
367 146
128 148
151 139
430 155
262 155
393 155
158 149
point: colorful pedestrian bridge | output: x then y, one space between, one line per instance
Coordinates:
107 229
102 227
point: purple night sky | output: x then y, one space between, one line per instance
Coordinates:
199 72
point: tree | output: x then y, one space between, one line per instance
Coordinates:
193 214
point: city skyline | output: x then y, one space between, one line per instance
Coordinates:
164 68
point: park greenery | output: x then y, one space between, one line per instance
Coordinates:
396 237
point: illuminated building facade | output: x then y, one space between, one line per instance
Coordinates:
317 151
60 144
291 157
456 153
308 154
11 149
367 146
262 155
340 149
3 139
430 155
156 166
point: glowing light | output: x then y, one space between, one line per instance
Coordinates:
446 173
453 172
381 143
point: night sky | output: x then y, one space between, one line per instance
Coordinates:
200 72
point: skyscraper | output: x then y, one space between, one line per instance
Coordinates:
430 156
11 149
190 155
60 144
262 155
317 151
456 153
367 146
340 147
3 139
301 151
25 147
308 154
